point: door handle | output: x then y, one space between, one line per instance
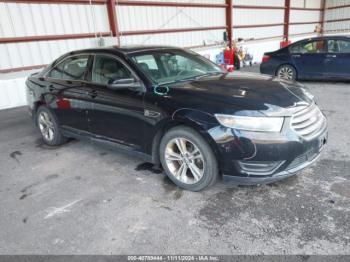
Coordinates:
331 56
92 93
296 55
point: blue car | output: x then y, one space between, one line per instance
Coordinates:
317 58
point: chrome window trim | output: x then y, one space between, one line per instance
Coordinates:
60 62
93 54
152 49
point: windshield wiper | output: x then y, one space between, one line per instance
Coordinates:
199 76
210 74
192 78
177 81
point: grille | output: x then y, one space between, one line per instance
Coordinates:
308 122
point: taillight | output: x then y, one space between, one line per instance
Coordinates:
266 58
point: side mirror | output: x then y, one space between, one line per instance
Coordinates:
126 83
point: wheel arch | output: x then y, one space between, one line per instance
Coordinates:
182 120
36 106
287 64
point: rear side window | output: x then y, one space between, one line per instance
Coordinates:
72 68
308 47
107 69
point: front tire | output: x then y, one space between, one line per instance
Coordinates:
188 159
287 72
48 127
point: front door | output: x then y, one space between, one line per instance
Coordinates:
338 58
117 111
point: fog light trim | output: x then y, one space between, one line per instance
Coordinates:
259 168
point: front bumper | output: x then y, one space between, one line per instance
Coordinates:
286 152
254 180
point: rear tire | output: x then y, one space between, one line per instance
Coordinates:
188 159
287 72
48 127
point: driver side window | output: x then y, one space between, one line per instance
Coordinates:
107 69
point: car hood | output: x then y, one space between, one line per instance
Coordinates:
242 94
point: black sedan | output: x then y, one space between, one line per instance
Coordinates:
320 58
178 109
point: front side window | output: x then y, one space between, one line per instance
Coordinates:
333 46
175 65
72 68
338 46
344 46
107 69
309 47
148 65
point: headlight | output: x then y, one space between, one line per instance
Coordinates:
250 123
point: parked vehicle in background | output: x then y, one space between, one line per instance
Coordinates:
316 58
178 109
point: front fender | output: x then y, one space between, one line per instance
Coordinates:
198 118
202 122
226 143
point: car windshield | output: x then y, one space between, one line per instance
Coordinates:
167 66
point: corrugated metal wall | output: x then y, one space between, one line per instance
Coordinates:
247 16
19 19
134 18
308 16
12 92
341 13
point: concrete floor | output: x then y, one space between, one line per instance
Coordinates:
83 199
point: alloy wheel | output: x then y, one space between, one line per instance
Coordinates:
46 126
286 73
184 160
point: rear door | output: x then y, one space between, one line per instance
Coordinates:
309 58
338 59
66 84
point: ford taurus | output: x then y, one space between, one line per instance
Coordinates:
179 110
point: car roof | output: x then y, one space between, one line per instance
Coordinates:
124 49
318 38
327 37
142 48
